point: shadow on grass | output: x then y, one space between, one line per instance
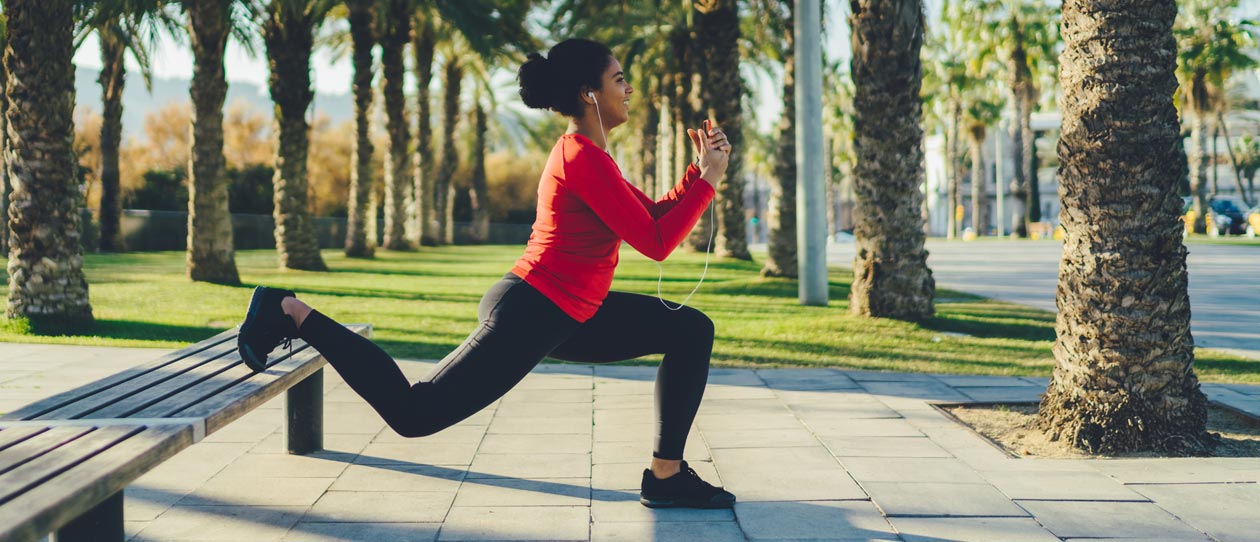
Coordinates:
115 329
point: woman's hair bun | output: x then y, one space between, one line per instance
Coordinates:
537 82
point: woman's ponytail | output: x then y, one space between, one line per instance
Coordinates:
537 82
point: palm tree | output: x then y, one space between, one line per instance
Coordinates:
891 277
1024 35
4 139
944 84
46 282
394 26
983 109
211 256
288 32
777 25
1212 46
123 27
423 40
722 90
1124 377
360 13
480 231
443 188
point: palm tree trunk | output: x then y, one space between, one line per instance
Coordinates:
357 244
955 166
979 183
211 256
1198 169
397 170
891 277
1018 81
46 282
480 192
649 138
1124 378
113 78
1032 202
289 41
4 145
723 90
443 189
781 257
422 44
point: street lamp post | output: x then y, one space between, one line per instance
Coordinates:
811 224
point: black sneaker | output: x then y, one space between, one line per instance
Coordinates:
266 326
682 490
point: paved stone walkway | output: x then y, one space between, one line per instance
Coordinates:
812 454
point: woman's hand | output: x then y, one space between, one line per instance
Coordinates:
713 151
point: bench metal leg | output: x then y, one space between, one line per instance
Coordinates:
104 523
304 415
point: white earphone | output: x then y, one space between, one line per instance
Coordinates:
660 276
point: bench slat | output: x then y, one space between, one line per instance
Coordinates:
13 435
33 448
209 393
60 400
132 405
62 455
81 486
117 400
238 400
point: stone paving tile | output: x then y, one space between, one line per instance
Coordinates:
813 520
711 406
1061 486
774 459
1093 519
1199 538
1227 512
623 506
865 428
536 381
361 532
641 450
276 443
944 500
760 438
643 414
982 381
524 492
888 376
841 412
400 477
243 523
791 484
144 505
461 432
806 379
547 396
729 422
664 531
418 451
569 425
1021 394
555 465
884 447
1172 471
552 523
223 490
380 507
319 465
739 392
971 530
501 443
614 402
916 469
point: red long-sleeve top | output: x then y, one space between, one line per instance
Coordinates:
585 209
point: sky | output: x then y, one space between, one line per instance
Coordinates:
172 60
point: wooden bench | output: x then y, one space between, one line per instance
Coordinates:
136 419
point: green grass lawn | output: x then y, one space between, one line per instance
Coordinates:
422 304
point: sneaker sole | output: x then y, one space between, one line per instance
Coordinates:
675 503
247 354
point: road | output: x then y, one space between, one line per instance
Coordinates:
1224 282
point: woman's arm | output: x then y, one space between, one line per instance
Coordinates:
660 207
594 178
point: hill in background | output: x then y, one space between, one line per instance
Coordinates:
137 101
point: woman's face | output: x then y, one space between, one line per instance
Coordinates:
613 97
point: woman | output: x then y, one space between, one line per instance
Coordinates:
556 300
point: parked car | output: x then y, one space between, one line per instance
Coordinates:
1224 217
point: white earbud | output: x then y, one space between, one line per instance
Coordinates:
602 131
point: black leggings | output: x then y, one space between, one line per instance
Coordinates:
519 327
